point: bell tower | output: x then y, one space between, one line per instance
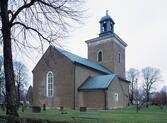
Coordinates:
108 49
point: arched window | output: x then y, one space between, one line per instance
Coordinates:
119 58
50 84
104 26
99 56
116 97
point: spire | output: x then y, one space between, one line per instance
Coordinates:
106 25
106 12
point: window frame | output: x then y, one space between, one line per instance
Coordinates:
49 88
116 97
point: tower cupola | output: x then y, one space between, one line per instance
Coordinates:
106 25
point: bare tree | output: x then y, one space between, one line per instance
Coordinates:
22 20
163 96
138 98
2 81
29 96
132 76
21 79
150 77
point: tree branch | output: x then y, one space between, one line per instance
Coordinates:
10 12
21 8
47 4
30 28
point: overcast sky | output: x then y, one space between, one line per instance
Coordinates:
142 24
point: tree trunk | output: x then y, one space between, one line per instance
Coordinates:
8 64
132 93
18 94
147 98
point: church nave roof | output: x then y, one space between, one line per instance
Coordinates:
83 61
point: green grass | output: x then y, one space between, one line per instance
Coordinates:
129 115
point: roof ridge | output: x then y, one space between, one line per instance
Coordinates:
70 52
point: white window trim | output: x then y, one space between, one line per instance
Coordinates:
97 56
116 98
47 84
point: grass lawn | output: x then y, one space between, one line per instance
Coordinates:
129 115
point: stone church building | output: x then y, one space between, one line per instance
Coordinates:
61 78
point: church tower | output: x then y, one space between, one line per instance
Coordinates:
108 49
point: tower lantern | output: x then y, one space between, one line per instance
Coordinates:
106 25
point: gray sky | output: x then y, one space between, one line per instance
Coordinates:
140 23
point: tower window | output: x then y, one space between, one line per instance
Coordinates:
50 84
119 58
104 26
99 56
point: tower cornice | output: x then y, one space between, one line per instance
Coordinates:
107 38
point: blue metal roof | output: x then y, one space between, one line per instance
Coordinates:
83 61
106 17
97 82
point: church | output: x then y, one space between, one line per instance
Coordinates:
61 78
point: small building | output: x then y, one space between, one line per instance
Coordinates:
61 78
